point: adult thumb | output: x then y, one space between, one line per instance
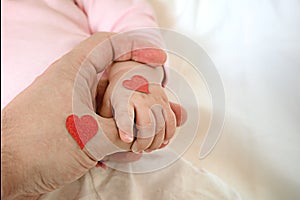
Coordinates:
103 48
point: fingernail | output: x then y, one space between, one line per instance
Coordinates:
166 142
134 148
125 137
148 150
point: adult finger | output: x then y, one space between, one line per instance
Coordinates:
106 141
123 157
145 46
101 88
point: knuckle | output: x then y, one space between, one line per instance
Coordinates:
145 132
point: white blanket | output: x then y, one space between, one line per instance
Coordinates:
255 46
178 181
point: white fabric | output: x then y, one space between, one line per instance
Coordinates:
255 46
178 181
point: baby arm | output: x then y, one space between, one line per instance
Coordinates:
117 16
139 105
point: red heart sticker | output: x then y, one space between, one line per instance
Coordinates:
137 83
82 129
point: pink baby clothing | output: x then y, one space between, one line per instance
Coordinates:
36 33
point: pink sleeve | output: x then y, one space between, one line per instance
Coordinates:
117 15
122 16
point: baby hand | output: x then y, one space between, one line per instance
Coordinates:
139 105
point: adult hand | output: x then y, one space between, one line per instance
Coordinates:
38 153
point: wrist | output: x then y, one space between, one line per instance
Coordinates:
9 173
10 178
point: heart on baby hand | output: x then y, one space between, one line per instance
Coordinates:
137 83
82 129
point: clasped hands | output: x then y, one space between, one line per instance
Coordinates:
39 155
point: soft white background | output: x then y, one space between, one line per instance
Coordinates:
255 45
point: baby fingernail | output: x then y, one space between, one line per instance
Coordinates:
134 148
165 143
125 137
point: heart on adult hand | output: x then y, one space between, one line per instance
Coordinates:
82 129
137 83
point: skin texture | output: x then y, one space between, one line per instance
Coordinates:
151 112
38 154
